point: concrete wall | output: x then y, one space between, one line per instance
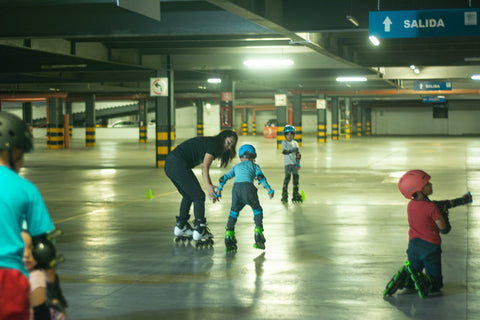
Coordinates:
463 119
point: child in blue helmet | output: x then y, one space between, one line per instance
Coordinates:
244 192
291 157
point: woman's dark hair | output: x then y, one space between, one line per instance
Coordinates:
226 155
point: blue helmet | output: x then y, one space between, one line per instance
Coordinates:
247 151
288 128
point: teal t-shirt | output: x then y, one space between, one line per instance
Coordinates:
19 200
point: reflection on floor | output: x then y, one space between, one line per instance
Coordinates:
328 258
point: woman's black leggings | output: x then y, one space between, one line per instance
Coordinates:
187 184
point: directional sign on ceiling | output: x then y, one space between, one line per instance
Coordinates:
432 85
424 23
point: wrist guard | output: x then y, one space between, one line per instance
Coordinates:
55 296
463 200
443 206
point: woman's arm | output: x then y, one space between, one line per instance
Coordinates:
207 162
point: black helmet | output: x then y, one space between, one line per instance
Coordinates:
14 133
45 253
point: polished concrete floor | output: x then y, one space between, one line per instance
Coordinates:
328 258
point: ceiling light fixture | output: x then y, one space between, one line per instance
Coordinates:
353 20
471 59
268 63
63 66
415 69
475 77
374 40
351 79
214 80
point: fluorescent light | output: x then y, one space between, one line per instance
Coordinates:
214 80
476 77
416 70
266 63
351 79
353 21
374 40
63 66
412 67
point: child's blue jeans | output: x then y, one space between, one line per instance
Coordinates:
423 254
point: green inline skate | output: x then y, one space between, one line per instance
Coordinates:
399 280
259 238
423 282
230 241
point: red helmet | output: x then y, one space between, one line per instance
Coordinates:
412 181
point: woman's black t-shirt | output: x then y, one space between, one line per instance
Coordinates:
193 150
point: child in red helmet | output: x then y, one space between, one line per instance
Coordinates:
426 220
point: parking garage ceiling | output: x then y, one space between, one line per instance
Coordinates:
112 48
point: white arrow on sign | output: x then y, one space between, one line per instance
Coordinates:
387 22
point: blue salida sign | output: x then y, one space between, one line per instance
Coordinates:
432 85
434 99
424 23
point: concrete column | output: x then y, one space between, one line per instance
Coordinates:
282 116
368 120
165 118
359 118
322 119
244 121
226 104
200 125
297 117
335 111
90 121
55 124
27 113
142 117
348 118
254 125
68 111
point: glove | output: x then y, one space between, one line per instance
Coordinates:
55 296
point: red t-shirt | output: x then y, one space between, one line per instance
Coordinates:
421 219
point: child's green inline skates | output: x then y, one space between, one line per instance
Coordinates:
423 282
230 241
259 238
399 280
